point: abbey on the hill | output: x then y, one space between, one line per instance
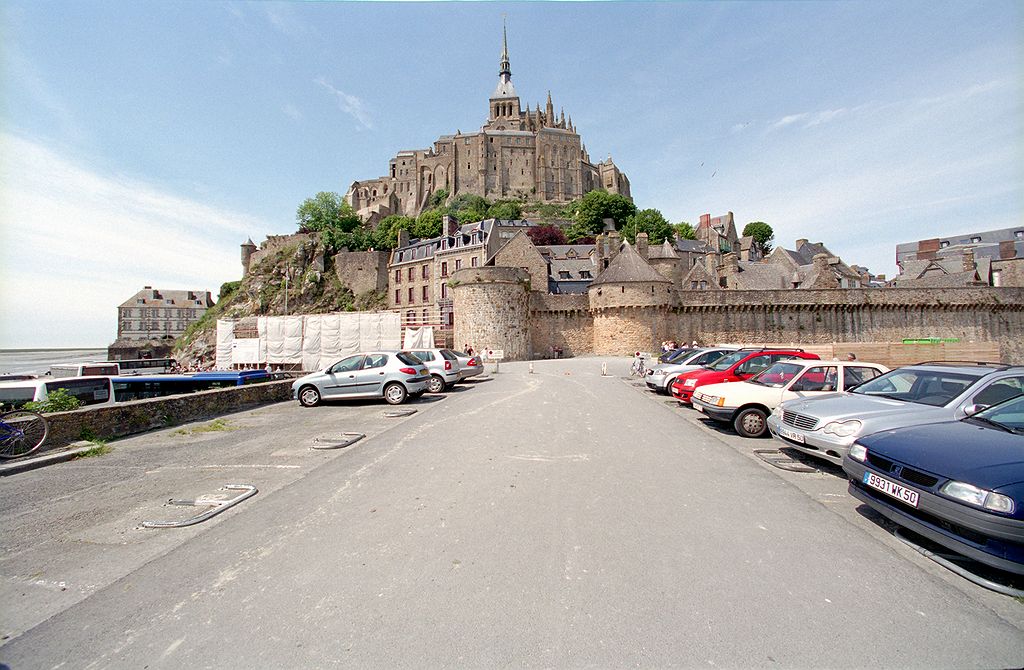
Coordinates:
529 154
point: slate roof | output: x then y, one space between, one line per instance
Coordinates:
628 267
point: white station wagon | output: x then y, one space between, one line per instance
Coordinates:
747 404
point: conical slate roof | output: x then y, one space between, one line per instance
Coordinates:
628 266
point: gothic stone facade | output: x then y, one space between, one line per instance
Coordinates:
531 154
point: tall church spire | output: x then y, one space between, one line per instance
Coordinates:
506 69
504 88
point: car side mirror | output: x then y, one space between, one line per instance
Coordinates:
971 410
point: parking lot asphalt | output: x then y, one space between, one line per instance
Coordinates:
556 518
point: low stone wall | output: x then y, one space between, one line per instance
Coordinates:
120 420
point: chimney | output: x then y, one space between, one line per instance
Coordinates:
799 243
614 242
609 224
641 245
1007 249
730 264
820 261
403 238
449 225
705 219
968 260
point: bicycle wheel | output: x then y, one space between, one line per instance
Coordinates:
21 433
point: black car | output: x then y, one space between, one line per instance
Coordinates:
957 483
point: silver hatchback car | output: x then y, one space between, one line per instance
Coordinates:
443 365
392 375
927 393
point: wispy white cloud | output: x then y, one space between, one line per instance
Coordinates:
349 104
75 243
283 17
292 111
789 120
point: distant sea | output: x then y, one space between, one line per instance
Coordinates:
38 361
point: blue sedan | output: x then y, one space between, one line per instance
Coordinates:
958 483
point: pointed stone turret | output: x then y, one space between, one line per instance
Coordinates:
549 112
561 119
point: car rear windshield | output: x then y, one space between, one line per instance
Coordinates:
449 355
926 387
726 362
408 358
777 375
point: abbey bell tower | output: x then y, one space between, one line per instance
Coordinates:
504 103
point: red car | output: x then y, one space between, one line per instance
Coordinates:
734 367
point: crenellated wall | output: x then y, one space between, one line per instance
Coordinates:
624 319
560 322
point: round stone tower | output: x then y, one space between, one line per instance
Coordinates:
492 310
631 305
248 249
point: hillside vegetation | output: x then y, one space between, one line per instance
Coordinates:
312 288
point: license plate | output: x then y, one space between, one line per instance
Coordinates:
901 493
698 407
791 435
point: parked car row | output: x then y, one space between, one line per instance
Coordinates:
392 375
936 447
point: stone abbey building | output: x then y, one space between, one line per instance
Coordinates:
528 154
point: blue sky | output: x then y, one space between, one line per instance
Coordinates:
141 143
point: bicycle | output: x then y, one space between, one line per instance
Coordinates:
638 369
21 433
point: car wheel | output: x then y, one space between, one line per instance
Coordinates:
436 384
395 393
751 422
667 388
309 396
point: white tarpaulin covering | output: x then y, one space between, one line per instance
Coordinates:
225 336
313 341
246 350
292 338
419 338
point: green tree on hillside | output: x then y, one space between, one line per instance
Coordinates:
326 211
685 231
648 221
428 224
468 208
596 206
385 236
505 209
761 232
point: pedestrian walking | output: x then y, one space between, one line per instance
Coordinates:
851 356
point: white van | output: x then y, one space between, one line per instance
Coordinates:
90 391
84 369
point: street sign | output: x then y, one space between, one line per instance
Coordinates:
494 354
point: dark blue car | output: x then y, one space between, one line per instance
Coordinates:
958 483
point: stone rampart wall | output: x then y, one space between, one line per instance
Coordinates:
560 323
362 271
631 294
855 315
124 419
579 326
